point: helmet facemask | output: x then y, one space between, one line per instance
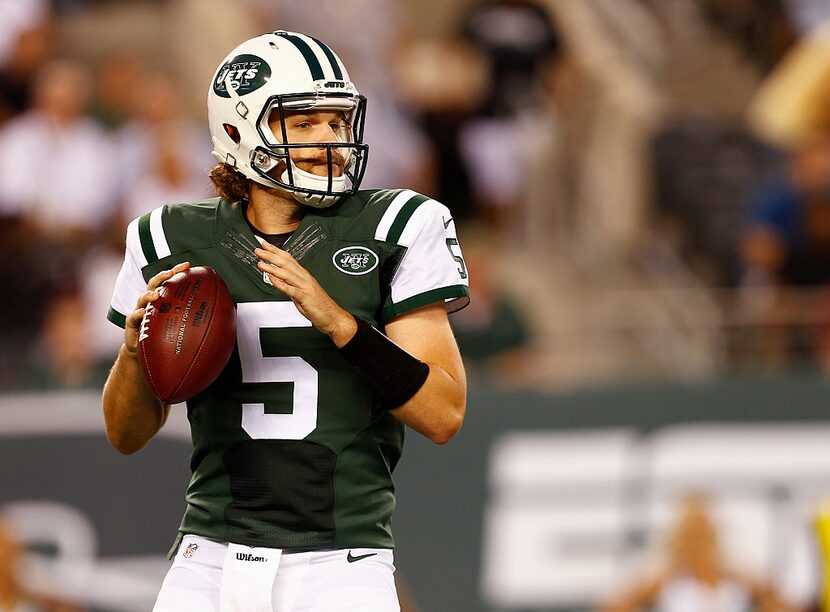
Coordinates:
273 159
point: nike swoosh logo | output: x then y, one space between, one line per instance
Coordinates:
446 222
352 559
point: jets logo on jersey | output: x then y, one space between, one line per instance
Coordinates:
355 260
247 73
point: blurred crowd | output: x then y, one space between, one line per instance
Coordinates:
642 186
85 146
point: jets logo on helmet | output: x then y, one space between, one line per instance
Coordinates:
256 85
247 73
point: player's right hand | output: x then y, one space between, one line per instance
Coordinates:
151 295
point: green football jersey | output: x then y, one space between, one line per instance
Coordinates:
291 448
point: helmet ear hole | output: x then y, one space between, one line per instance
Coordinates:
232 132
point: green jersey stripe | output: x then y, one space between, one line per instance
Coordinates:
338 74
453 292
403 217
117 318
146 237
309 55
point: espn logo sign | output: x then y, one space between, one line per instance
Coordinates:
571 516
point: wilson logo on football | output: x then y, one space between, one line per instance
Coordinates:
355 260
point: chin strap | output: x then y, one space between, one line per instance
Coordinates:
307 180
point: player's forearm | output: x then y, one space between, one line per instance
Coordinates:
437 409
131 412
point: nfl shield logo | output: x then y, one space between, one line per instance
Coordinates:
190 550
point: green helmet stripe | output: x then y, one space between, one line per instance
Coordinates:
403 217
309 55
147 239
338 74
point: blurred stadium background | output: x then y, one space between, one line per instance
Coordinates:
643 194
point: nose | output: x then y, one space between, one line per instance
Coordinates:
325 133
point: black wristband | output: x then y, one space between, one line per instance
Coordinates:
395 374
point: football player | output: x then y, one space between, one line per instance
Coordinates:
341 299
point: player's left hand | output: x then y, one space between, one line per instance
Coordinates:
287 275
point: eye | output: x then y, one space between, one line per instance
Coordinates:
303 125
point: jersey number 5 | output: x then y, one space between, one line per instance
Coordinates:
251 317
462 267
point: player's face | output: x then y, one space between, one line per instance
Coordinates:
312 127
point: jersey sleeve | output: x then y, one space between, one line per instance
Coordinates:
130 283
432 268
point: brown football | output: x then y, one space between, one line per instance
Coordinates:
187 335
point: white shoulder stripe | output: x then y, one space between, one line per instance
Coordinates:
157 232
391 213
134 244
430 208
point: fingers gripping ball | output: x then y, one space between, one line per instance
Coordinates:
187 335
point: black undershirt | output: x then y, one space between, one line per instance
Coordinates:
278 240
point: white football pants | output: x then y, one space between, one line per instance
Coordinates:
211 576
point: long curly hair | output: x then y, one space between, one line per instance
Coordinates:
229 183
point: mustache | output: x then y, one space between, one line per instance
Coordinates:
337 159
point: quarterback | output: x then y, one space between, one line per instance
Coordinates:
342 297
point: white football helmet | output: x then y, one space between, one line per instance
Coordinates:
275 73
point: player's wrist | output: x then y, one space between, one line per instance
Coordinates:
392 371
343 329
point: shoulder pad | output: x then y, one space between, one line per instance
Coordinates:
170 229
397 211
